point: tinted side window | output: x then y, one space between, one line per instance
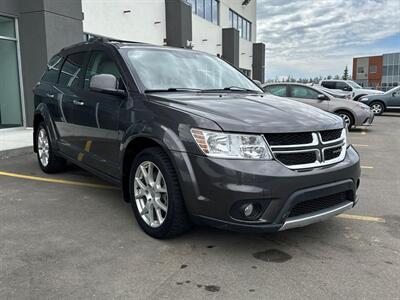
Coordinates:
277 90
328 84
101 63
53 69
303 92
342 86
71 71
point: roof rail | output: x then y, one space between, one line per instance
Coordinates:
106 40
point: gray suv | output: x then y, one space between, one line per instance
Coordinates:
190 139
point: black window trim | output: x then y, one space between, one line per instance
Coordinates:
84 66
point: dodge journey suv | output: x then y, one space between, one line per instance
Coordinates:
190 139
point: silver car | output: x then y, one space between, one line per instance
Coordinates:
353 113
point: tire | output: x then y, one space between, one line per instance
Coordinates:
49 162
347 117
166 223
377 108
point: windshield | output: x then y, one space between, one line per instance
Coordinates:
163 69
397 88
354 85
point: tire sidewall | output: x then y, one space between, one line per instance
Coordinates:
161 231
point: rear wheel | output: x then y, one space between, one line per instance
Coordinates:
347 118
155 195
49 162
377 108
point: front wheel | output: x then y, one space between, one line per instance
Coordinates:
347 118
155 195
377 108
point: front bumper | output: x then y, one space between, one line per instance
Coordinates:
364 118
212 187
368 120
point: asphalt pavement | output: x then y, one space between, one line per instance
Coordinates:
71 236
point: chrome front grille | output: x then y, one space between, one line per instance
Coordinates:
308 149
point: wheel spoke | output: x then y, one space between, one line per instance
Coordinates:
144 173
150 174
159 204
140 183
151 213
159 215
140 194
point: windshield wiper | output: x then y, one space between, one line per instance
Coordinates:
172 90
231 88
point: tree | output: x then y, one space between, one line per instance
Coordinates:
346 73
336 77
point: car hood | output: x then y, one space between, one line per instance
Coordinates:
260 113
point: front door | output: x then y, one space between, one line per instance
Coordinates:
394 99
308 96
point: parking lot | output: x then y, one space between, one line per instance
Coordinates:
70 235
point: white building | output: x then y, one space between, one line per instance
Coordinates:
221 27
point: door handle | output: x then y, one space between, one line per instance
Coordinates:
50 95
78 102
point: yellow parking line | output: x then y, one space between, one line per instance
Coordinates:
366 167
361 218
60 181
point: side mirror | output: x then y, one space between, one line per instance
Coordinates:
322 97
258 83
107 84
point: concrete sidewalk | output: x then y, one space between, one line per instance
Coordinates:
15 138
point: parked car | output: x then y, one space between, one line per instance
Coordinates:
335 93
385 102
353 113
189 138
349 86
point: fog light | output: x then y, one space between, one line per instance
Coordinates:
248 210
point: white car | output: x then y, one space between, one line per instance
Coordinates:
349 86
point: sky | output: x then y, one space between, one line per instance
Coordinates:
309 38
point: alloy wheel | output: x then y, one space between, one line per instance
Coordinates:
346 119
376 108
151 195
43 147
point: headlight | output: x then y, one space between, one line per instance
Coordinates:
231 145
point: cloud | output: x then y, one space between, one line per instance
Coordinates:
319 37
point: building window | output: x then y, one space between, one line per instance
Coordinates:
207 9
238 22
10 93
360 70
373 69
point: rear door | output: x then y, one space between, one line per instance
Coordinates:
69 87
97 117
308 96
